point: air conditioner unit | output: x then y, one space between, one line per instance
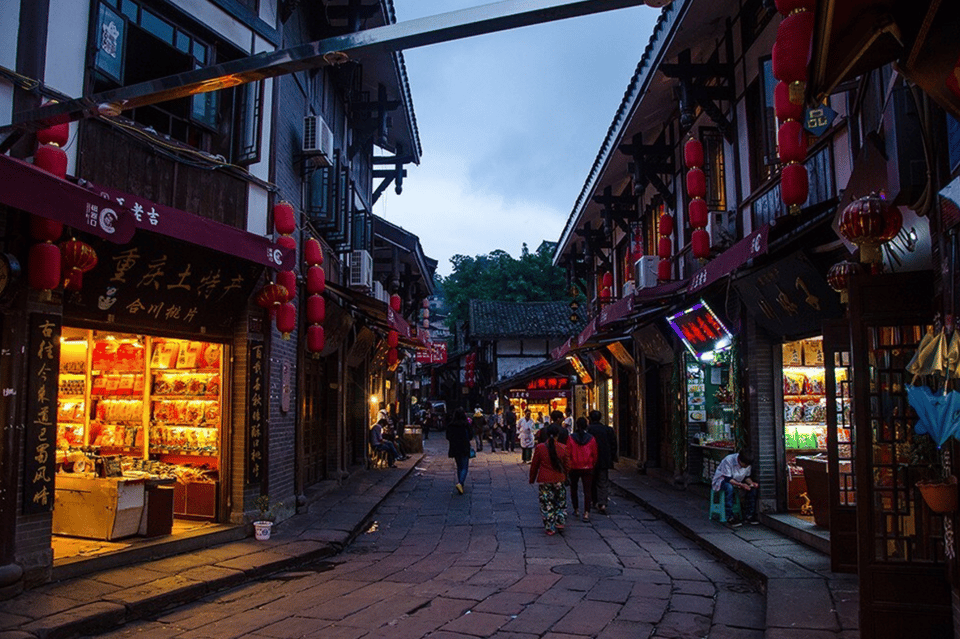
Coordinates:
645 271
361 270
378 291
318 140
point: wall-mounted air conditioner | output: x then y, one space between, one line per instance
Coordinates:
361 270
318 140
645 271
379 293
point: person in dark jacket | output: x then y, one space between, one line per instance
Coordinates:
479 423
509 428
606 457
459 434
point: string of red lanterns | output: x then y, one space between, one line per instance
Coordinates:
285 224
697 190
791 56
393 337
316 285
43 259
665 247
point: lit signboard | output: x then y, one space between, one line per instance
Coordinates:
700 329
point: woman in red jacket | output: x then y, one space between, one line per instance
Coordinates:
582 449
549 469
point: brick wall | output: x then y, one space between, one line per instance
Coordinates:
762 376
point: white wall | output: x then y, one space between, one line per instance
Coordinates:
66 52
217 20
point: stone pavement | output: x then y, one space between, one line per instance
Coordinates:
803 598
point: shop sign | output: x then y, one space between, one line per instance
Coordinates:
548 383
432 353
580 368
700 329
256 411
157 283
734 257
818 120
43 361
602 364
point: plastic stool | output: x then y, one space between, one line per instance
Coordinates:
718 508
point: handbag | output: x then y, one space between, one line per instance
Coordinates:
473 453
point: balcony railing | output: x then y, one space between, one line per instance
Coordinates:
768 205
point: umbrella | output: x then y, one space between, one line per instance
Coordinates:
938 414
953 355
931 356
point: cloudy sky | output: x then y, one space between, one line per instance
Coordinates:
510 124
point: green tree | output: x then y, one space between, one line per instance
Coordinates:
499 276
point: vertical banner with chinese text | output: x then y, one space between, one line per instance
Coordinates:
256 412
43 358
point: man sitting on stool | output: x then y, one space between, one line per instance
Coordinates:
733 473
377 442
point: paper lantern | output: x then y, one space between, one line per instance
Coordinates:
426 323
288 280
316 338
393 338
792 142
316 309
425 303
794 186
270 297
664 248
700 244
57 134
666 224
287 241
286 319
664 270
43 266
77 258
698 214
607 279
313 252
284 218
838 277
45 230
791 52
693 153
786 7
783 107
316 280
393 357
395 303
868 222
51 159
696 183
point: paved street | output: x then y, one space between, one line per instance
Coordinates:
442 565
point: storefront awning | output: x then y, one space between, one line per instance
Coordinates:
35 191
751 246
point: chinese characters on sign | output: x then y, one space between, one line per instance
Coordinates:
43 360
256 410
433 353
700 329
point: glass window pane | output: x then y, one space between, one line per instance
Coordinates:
183 42
200 53
131 10
157 26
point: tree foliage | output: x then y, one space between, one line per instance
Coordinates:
499 276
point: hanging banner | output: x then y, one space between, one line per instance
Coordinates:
257 411
43 361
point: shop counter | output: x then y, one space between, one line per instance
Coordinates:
97 508
818 487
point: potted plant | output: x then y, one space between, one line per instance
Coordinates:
267 514
940 491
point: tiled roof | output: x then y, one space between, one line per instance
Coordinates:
522 319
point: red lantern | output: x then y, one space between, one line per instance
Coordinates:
43 266
393 338
696 183
77 258
271 296
316 309
395 303
783 107
312 252
288 280
57 134
869 222
393 357
316 280
786 7
838 277
45 230
698 214
287 241
316 338
286 319
664 248
792 140
693 153
664 270
284 219
700 244
51 159
794 186
791 53
607 280
666 224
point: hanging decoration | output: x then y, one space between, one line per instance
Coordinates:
665 247
77 258
791 56
868 222
425 313
469 369
270 297
606 286
697 190
285 224
44 258
838 277
316 305
286 319
396 303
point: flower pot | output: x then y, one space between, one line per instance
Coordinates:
262 529
940 496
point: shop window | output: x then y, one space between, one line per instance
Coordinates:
713 169
135 43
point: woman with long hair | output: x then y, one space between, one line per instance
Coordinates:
459 434
549 470
583 457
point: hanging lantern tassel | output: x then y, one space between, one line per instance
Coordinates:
77 258
286 319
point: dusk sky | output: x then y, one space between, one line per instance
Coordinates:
510 124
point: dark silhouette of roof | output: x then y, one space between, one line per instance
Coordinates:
491 319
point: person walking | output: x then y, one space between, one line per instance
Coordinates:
606 457
525 428
582 448
568 421
479 423
509 428
549 470
497 434
459 435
